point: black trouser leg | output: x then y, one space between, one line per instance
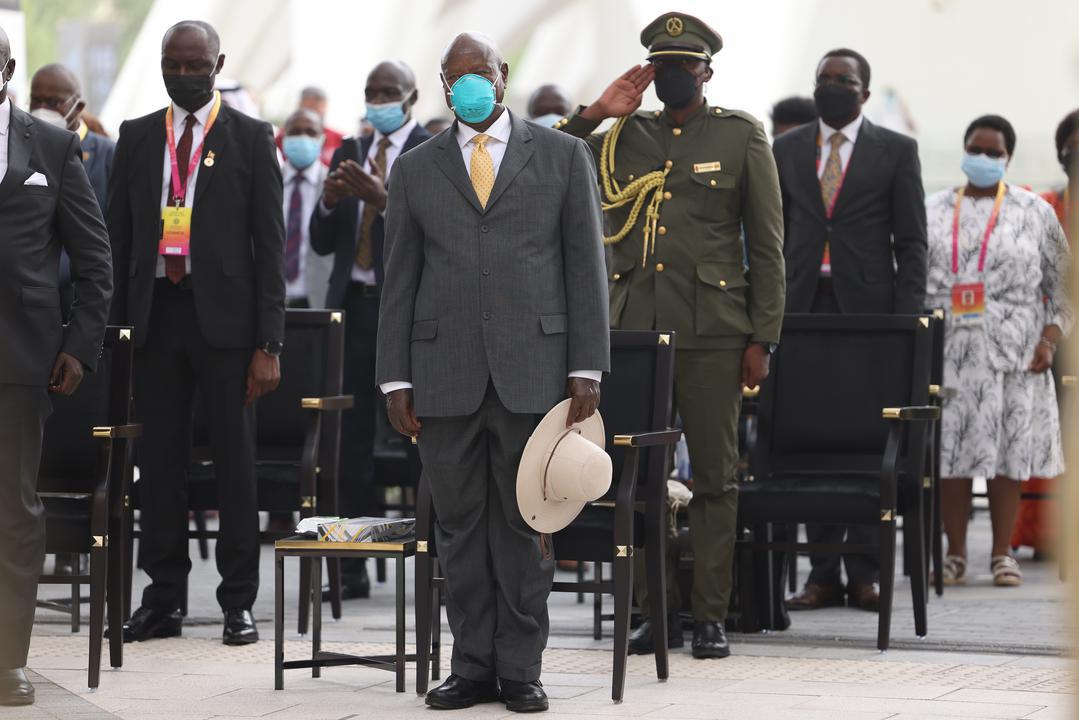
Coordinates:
355 494
23 411
825 566
862 569
164 384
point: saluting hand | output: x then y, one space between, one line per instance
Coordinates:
623 96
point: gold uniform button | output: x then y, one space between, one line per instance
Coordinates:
662 229
677 131
631 176
667 195
668 164
712 183
659 267
616 277
723 283
657 113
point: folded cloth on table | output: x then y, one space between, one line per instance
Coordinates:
366 529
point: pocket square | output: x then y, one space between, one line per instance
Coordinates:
37 179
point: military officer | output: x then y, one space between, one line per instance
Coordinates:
680 185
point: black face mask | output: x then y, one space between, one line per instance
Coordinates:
189 91
675 86
835 102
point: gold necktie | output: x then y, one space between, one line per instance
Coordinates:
370 212
482 169
832 179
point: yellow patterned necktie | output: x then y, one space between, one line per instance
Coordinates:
364 256
832 179
482 169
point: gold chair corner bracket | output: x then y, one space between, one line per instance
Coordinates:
125 334
307 501
421 546
99 541
891 413
887 515
623 440
924 320
623 551
664 339
335 317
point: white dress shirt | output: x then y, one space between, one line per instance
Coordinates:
198 132
499 134
849 131
310 187
5 122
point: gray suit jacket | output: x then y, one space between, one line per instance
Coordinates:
515 293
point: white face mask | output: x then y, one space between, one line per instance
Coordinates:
51 117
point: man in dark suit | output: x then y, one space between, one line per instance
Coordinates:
348 222
495 309
45 204
854 216
56 98
207 299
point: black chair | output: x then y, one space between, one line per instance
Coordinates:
85 476
298 435
636 405
842 440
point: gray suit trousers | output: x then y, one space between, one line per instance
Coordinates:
497 577
23 411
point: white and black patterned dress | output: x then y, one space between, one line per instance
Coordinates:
1004 420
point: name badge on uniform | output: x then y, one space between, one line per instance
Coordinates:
706 167
968 303
175 231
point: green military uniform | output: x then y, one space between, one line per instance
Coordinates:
682 266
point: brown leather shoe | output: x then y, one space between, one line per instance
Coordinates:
814 597
865 596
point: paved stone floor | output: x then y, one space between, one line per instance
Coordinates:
991 653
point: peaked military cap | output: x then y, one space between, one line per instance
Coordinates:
676 33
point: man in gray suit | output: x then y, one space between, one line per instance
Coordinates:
494 308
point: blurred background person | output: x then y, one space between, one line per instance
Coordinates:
998 261
1036 526
854 213
314 98
548 104
348 224
307 274
791 112
56 98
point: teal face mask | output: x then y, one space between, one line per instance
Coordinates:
301 150
473 98
386 117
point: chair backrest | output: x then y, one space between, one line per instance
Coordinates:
637 396
311 366
820 409
69 451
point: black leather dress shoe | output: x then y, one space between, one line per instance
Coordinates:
523 697
641 642
239 628
353 587
710 640
146 624
458 693
15 689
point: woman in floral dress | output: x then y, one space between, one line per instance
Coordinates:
997 262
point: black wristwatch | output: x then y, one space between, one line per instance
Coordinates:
272 348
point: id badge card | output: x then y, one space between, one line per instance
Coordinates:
968 303
175 231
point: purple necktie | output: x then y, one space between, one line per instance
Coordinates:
294 231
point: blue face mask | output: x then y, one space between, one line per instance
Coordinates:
547 120
301 150
386 117
982 170
473 98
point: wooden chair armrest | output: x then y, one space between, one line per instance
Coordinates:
916 412
114 432
942 391
334 402
648 439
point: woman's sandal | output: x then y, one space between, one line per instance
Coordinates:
1006 571
954 570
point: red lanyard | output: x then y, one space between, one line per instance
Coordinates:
1001 188
842 178
180 193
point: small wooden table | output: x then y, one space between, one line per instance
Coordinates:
305 547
